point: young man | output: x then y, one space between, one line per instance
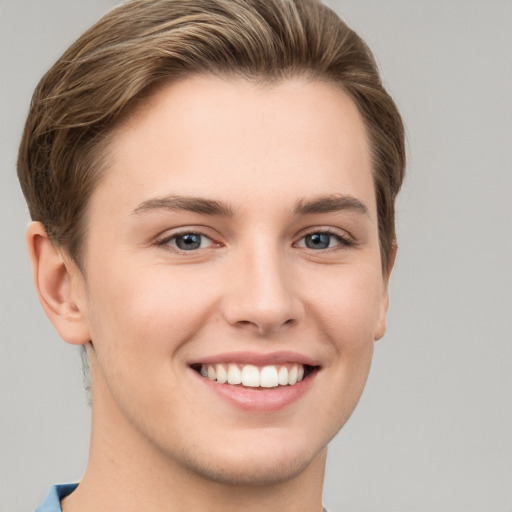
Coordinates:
212 188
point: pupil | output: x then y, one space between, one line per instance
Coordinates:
188 242
318 241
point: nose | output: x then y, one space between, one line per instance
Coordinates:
261 293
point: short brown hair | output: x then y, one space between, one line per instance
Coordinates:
143 43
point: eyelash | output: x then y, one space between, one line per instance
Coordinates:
167 241
343 241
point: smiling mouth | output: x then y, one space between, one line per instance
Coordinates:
251 376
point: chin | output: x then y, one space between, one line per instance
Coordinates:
269 450
260 472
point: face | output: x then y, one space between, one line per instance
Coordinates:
233 288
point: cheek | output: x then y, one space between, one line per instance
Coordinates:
145 313
348 313
348 306
140 327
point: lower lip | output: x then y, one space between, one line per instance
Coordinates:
259 399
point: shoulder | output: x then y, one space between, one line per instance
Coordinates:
51 502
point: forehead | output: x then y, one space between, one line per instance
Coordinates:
212 136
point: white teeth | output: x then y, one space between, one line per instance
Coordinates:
234 374
222 376
211 373
250 376
282 377
292 375
269 376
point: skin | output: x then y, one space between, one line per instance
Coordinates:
161 439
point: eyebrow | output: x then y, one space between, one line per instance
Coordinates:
329 204
323 204
185 203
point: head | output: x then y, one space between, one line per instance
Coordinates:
162 74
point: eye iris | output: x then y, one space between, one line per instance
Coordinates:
188 242
318 241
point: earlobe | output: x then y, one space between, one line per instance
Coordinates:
59 285
382 323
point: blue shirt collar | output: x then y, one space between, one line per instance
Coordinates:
51 503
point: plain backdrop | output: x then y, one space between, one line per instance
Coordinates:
433 431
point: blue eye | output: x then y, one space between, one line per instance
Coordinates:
322 240
187 241
318 241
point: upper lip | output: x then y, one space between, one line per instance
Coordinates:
257 359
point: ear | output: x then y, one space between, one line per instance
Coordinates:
59 285
382 323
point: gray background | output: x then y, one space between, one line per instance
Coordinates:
434 429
